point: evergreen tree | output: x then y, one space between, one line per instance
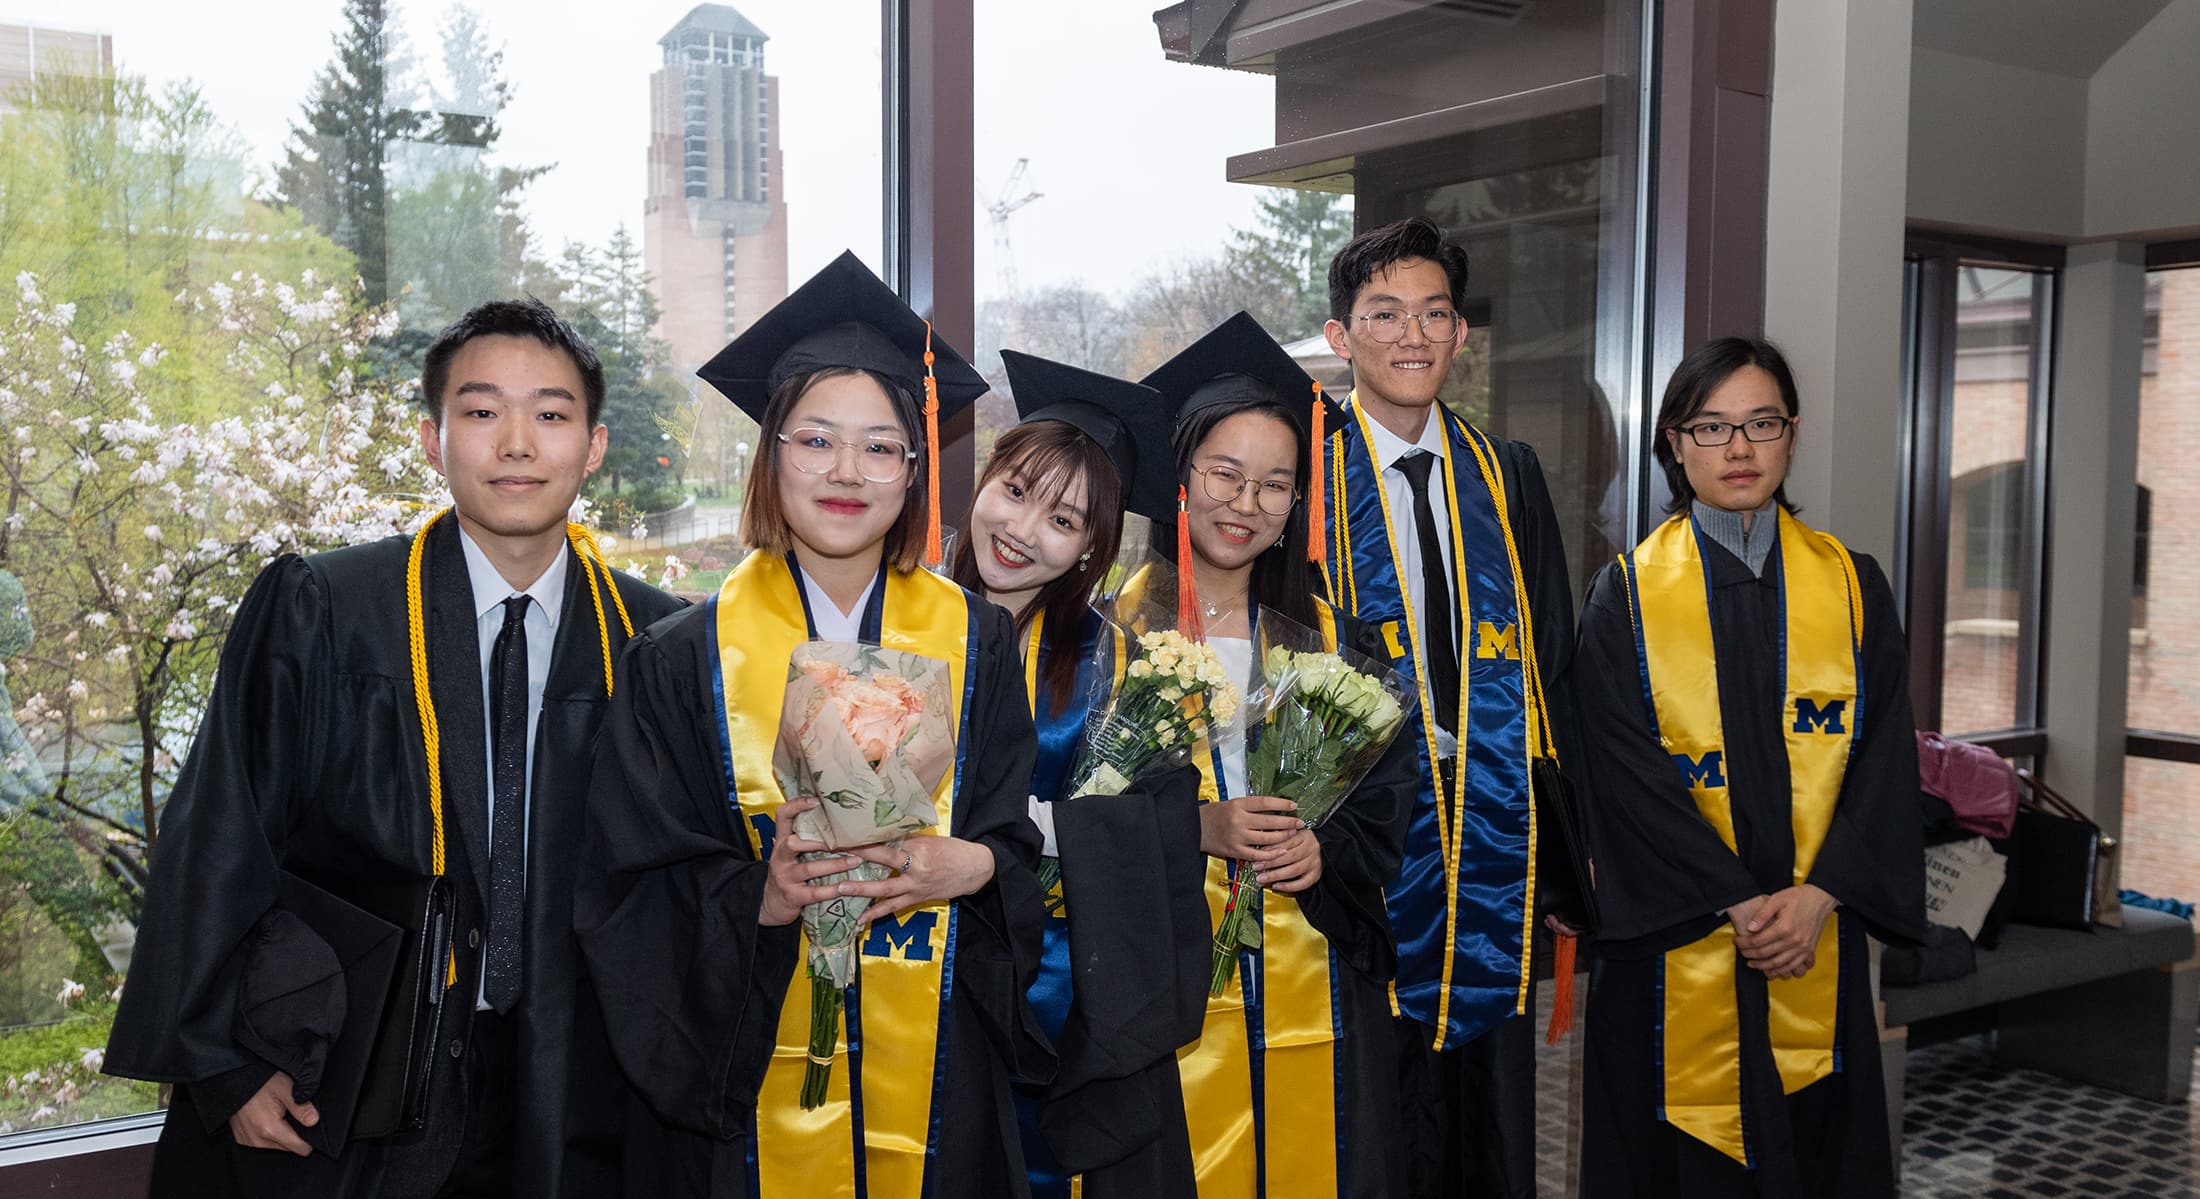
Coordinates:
1290 248
610 302
336 169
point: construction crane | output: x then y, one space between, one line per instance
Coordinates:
1003 207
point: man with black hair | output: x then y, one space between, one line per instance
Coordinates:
1444 537
489 635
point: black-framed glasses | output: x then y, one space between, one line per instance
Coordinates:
1224 485
816 451
1712 434
1387 325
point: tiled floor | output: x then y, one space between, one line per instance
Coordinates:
1971 1129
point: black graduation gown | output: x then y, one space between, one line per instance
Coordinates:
667 903
1139 945
1662 875
309 758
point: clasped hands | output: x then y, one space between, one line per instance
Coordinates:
1777 934
1250 829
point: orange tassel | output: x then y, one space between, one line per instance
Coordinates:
1316 547
1562 991
932 551
1187 591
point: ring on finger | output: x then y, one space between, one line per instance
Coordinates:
908 859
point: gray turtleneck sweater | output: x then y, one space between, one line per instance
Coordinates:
1752 547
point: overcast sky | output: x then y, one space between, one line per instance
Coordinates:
1126 148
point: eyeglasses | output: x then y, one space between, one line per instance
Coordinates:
1712 434
1388 325
817 451
1225 485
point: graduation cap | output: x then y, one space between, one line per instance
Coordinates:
845 316
1238 360
1129 420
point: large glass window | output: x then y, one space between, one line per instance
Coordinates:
1176 169
1979 383
225 245
2162 798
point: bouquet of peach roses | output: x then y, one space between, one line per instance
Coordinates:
868 732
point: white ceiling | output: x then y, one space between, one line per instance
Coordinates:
2059 37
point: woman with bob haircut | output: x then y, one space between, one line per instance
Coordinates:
1291 1089
1742 679
692 887
1122 977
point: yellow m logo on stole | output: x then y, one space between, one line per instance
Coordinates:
1492 640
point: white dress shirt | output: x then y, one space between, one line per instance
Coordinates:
831 623
541 623
1388 448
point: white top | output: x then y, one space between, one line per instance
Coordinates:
1388 448
832 623
1236 656
541 626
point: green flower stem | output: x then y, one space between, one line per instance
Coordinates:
825 1002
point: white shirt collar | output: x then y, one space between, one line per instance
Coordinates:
1388 447
832 623
491 589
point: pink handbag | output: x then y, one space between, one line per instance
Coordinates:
1973 779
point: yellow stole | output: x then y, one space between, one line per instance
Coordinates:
898 1010
1824 615
1274 1053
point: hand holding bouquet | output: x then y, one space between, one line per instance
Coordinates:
867 731
1328 715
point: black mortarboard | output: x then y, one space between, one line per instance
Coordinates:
845 316
1238 359
1129 420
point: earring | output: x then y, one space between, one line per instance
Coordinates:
1279 539
1084 562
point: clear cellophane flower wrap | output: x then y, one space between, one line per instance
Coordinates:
1325 717
869 732
1173 696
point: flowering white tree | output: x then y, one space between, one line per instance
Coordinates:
135 520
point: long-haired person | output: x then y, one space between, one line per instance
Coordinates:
1122 979
690 901
1291 1090
1752 806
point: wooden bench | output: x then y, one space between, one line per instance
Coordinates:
2115 1007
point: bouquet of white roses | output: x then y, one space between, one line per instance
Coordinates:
865 730
1172 696
1328 715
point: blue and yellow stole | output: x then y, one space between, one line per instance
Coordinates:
1669 596
1269 1044
1462 906
877 1133
1100 650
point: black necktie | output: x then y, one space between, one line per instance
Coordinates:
1437 614
507 851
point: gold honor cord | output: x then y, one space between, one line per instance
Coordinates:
1668 600
416 631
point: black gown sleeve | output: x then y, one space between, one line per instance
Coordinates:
218 855
1873 853
669 892
1660 867
1139 951
1363 843
1003 923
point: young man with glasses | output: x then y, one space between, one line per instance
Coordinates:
1444 537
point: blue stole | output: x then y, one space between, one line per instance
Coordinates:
1461 906
1099 649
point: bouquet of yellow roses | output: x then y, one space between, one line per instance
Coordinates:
1327 716
1172 696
